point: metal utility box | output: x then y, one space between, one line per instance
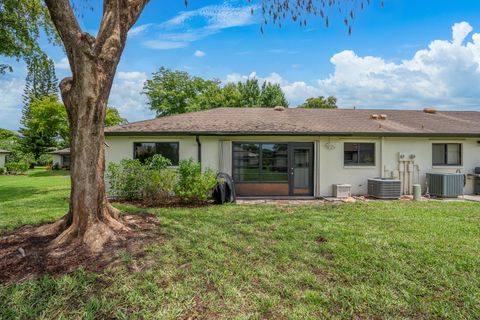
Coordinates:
445 185
342 190
383 188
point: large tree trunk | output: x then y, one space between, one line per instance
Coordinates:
91 220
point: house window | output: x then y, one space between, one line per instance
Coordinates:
359 154
447 154
260 162
144 150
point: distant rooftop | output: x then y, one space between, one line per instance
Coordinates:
61 151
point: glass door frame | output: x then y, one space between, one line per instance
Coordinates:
292 146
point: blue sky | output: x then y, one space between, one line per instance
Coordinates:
409 54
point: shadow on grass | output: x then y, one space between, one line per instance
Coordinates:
12 193
49 173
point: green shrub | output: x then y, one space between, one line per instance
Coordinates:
127 179
45 160
160 186
194 186
2 170
20 167
158 162
157 184
56 166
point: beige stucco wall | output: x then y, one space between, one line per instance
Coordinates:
56 158
2 159
122 147
329 168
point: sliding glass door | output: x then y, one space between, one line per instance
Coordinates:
273 169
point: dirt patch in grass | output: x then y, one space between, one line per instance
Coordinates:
321 239
26 255
172 203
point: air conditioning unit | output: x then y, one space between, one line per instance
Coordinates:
445 185
384 188
342 191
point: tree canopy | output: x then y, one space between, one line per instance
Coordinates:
174 92
22 22
320 103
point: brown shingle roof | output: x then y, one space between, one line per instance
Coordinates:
296 121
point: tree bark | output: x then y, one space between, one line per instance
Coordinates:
91 220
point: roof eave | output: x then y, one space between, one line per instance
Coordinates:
280 133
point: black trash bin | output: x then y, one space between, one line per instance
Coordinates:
224 190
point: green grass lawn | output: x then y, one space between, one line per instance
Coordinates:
366 260
38 197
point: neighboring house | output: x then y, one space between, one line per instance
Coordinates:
304 152
3 155
62 157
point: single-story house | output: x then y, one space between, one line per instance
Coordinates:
62 157
304 152
3 155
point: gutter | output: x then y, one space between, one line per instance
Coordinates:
199 149
280 133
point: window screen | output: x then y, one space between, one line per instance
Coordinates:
446 154
359 154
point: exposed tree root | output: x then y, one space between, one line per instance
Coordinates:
29 252
93 235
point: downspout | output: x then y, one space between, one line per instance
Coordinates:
199 149
382 162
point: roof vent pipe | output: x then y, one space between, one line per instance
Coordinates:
430 110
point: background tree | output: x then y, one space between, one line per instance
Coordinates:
91 220
40 91
41 80
250 93
10 141
175 92
47 126
44 124
320 103
113 117
272 95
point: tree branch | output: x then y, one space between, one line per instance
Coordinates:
66 24
118 17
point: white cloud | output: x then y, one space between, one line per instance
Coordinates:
126 96
460 31
139 29
190 26
164 45
11 90
216 17
199 53
445 75
63 64
442 75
